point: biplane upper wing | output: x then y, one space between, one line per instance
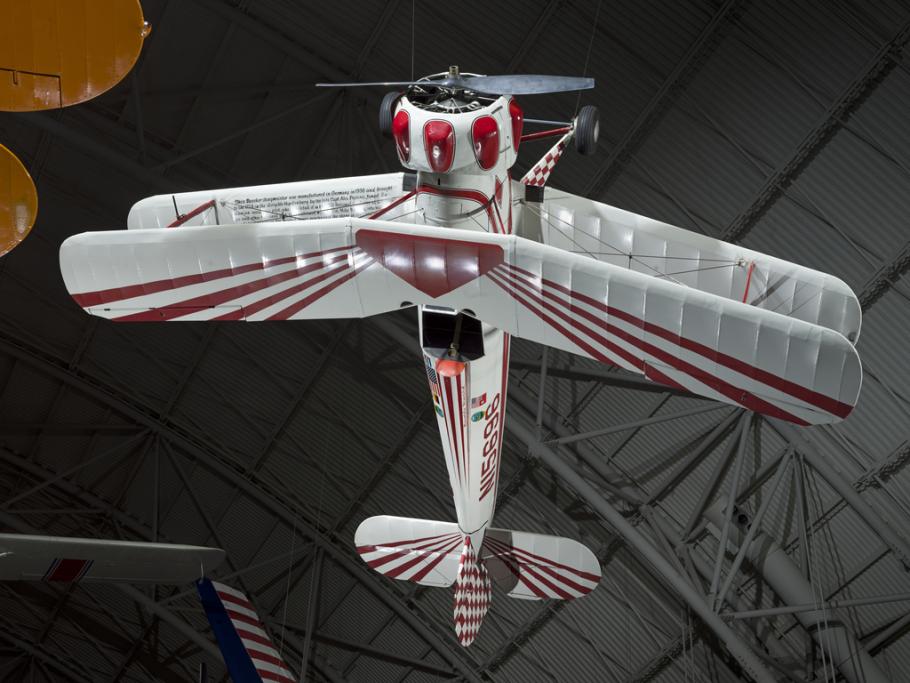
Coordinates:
341 268
54 558
642 244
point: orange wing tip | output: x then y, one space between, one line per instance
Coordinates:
64 52
18 201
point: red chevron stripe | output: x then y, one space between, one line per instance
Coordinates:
516 572
180 308
534 570
398 554
291 310
254 637
540 559
450 424
397 202
370 548
550 568
234 599
106 296
272 676
237 616
734 393
423 556
588 348
258 655
819 400
432 565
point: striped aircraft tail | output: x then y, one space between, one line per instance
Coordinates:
249 654
524 565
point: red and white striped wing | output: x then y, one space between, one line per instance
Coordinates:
536 566
239 272
676 335
416 550
266 659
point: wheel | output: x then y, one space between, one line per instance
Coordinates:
587 129
385 113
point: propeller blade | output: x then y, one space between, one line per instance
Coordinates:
526 84
510 84
377 84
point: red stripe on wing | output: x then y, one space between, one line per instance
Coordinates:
734 393
295 308
106 296
180 308
819 400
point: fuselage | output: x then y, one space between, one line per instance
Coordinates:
462 152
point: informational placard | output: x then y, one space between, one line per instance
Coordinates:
304 200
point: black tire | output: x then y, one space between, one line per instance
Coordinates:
587 129
385 113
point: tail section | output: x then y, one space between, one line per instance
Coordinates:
536 566
416 550
525 565
473 592
249 654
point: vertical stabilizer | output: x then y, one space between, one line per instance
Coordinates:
249 654
472 594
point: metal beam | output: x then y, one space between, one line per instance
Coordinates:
686 67
605 375
883 279
747 659
832 473
875 69
275 37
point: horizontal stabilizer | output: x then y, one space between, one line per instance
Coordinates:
249 653
535 566
416 550
52 558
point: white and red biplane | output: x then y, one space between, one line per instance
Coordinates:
485 258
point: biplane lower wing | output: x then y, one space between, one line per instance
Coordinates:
53 558
350 268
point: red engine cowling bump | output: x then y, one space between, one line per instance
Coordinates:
401 131
485 133
518 121
439 142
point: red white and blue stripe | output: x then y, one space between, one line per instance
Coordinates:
249 654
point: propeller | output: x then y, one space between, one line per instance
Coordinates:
509 84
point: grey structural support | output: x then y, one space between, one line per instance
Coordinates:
787 580
832 473
748 660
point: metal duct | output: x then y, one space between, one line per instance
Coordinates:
786 579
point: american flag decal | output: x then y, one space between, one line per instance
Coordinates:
248 652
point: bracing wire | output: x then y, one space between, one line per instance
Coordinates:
413 34
584 71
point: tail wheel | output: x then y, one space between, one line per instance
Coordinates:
385 113
587 130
